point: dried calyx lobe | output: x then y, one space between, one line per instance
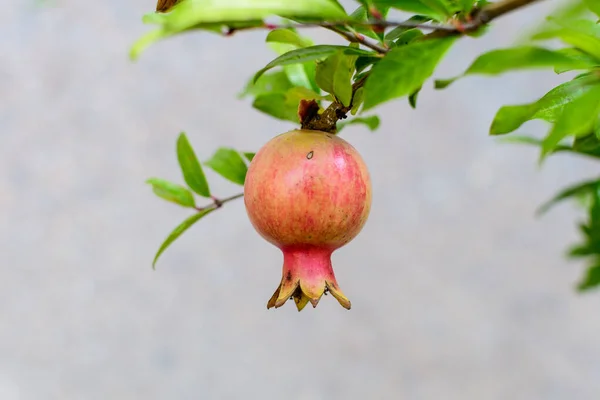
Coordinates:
308 193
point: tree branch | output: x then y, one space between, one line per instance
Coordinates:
327 120
218 203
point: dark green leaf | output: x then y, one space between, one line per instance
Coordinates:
190 167
595 153
172 192
306 54
518 58
372 122
364 62
548 108
357 100
403 70
179 230
229 164
412 99
591 279
575 190
249 156
334 75
578 117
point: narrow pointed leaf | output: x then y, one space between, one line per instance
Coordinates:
190 167
519 58
172 192
312 53
372 122
591 279
178 231
575 190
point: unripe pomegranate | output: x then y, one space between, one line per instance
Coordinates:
308 193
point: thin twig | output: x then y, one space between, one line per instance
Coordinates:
218 203
353 37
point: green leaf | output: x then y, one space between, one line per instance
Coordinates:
287 36
466 5
371 121
403 70
593 5
229 164
582 34
190 167
361 15
357 100
577 55
518 58
591 279
432 9
249 156
594 153
578 117
548 108
398 31
193 12
268 83
575 190
312 53
284 106
334 75
179 230
412 98
172 192
408 36
299 74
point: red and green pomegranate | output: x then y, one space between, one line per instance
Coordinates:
308 193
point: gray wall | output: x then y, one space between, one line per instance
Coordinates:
458 292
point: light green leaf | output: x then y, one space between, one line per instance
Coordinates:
272 82
466 5
298 74
578 117
190 167
284 105
416 6
593 5
517 58
548 108
334 75
372 122
577 55
287 36
582 34
189 13
403 70
172 192
311 53
357 100
229 164
179 230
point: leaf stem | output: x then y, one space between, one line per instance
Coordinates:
218 203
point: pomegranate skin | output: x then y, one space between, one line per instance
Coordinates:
308 193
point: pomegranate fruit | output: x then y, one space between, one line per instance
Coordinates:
308 193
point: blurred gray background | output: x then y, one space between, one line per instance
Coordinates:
458 291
